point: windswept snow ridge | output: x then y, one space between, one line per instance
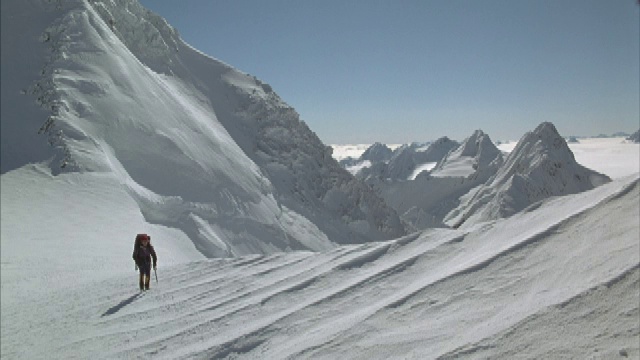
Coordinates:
560 281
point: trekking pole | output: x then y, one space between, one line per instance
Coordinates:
156 274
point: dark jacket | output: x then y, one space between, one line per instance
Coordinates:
143 254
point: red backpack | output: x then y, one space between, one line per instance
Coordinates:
137 247
139 239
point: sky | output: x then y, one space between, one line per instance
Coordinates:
400 71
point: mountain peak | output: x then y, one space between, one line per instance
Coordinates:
477 152
546 127
377 152
540 166
537 148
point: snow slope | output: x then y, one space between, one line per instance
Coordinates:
68 229
199 146
560 281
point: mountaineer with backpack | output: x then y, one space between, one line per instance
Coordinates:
143 252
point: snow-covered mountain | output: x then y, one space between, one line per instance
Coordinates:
200 146
377 152
635 137
476 152
540 166
430 196
436 150
374 155
404 163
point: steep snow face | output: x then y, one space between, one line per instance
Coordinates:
198 145
475 152
540 166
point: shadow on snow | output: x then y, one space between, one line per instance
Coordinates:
123 303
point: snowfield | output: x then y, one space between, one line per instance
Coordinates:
267 248
558 281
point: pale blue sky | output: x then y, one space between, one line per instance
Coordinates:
398 71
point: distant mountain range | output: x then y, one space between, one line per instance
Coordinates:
541 166
473 179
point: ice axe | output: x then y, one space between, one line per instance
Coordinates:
156 274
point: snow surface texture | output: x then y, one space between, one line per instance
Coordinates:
558 282
198 145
